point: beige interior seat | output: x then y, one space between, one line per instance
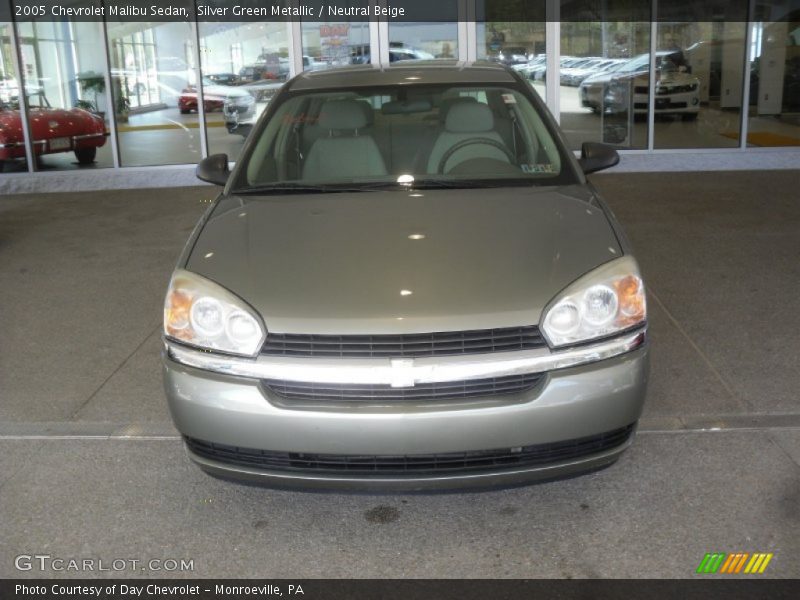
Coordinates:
466 121
344 150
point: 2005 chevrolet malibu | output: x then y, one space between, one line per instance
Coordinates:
407 282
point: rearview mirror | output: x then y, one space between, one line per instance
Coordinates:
213 169
596 157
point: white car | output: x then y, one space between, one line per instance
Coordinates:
241 112
535 63
565 73
626 87
574 76
539 70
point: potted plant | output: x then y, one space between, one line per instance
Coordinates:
123 108
91 83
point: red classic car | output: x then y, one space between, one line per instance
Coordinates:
53 129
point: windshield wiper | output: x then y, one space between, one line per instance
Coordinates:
283 188
305 188
374 186
468 183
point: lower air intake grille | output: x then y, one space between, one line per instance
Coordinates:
453 462
451 390
479 341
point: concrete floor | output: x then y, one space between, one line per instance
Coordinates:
90 465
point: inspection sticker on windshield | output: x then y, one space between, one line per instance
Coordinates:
540 168
509 99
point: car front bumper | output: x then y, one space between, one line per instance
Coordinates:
673 103
13 150
228 419
239 116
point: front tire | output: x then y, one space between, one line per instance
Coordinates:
689 116
85 156
186 111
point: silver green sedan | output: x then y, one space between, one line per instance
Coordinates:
407 282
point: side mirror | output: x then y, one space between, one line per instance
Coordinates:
596 157
213 169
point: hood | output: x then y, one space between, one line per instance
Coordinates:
237 92
604 77
57 122
676 77
224 91
662 77
336 263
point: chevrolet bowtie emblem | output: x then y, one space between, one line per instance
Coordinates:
402 372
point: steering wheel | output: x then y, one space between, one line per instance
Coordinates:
469 142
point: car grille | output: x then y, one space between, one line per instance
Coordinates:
677 89
662 104
480 341
418 464
451 390
665 90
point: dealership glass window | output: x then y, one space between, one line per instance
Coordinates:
422 41
12 155
243 65
774 55
514 33
603 71
699 79
153 83
436 37
518 44
64 83
335 44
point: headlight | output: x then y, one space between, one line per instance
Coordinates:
202 313
606 301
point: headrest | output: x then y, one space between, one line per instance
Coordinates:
469 117
369 112
342 114
447 103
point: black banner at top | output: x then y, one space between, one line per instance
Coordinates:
490 11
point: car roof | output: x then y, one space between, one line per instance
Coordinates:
404 73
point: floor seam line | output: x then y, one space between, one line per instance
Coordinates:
86 402
702 354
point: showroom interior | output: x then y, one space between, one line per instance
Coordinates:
90 462
141 77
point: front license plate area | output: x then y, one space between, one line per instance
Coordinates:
62 143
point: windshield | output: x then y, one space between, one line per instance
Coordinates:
35 100
433 135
